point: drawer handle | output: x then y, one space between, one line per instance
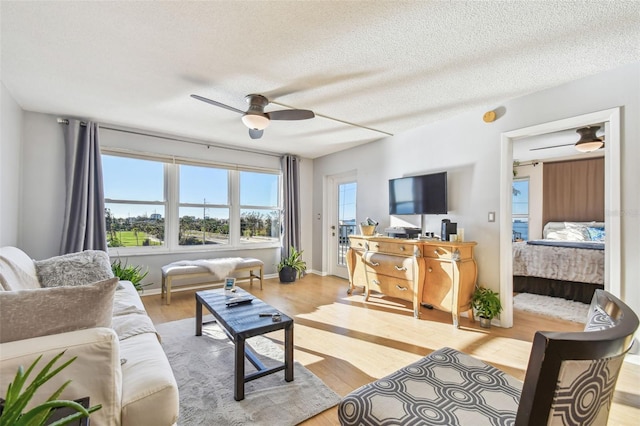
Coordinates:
400 268
375 263
376 282
435 251
377 246
402 248
430 269
401 288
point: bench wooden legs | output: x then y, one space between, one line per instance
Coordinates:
252 276
166 288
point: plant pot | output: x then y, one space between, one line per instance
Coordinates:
287 274
485 322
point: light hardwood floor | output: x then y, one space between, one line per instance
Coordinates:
348 342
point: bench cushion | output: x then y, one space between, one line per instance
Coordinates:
173 269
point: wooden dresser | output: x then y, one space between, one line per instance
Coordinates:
436 274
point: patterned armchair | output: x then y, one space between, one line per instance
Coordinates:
570 380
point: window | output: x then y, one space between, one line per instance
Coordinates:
210 206
520 209
204 206
259 207
134 201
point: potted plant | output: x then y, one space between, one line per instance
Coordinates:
291 266
486 304
16 399
130 273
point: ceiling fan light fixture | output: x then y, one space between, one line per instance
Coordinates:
255 121
588 140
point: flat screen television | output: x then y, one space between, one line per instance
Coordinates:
425 194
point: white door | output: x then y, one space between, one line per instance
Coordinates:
342 221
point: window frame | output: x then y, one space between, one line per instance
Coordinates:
172 204
241 207
520 215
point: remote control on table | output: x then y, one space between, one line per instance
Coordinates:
238 301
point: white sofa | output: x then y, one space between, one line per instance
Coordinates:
120 361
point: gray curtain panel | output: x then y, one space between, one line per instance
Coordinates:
291 203
84 222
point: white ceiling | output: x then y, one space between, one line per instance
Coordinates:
391 66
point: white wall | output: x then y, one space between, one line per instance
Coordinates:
10 154
43 186
469 150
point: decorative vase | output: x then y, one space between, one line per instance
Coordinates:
485 322
287 274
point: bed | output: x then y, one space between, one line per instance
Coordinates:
568 262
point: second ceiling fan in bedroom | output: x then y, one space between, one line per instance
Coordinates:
255 118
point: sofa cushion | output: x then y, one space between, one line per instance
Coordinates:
40 312
74 269
17 271
149 389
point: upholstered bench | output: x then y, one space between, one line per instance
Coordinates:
200 269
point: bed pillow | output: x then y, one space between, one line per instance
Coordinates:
40 312
74 269
596 233
570 232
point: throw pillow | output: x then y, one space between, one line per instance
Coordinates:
74 269
32 313
13 277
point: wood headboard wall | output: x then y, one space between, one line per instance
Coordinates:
573 191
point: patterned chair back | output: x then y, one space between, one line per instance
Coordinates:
571 377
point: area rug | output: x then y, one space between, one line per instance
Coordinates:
203 367
556 307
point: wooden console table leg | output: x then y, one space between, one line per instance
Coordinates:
350 258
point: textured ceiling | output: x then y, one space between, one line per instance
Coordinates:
390 66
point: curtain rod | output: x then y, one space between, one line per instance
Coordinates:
208 145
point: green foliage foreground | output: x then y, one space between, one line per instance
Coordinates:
16 399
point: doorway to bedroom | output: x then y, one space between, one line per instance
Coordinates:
513 144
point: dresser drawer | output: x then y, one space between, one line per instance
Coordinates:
438 252
395 247
393 266
445 251
392 287
357 243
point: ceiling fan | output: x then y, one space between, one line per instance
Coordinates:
255 118
588 141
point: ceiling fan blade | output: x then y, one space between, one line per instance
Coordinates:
216 103
291 114
255 133
549 147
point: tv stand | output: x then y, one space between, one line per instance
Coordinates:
434 274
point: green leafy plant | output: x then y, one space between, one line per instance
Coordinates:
486 303
130 273
294 260
17 399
